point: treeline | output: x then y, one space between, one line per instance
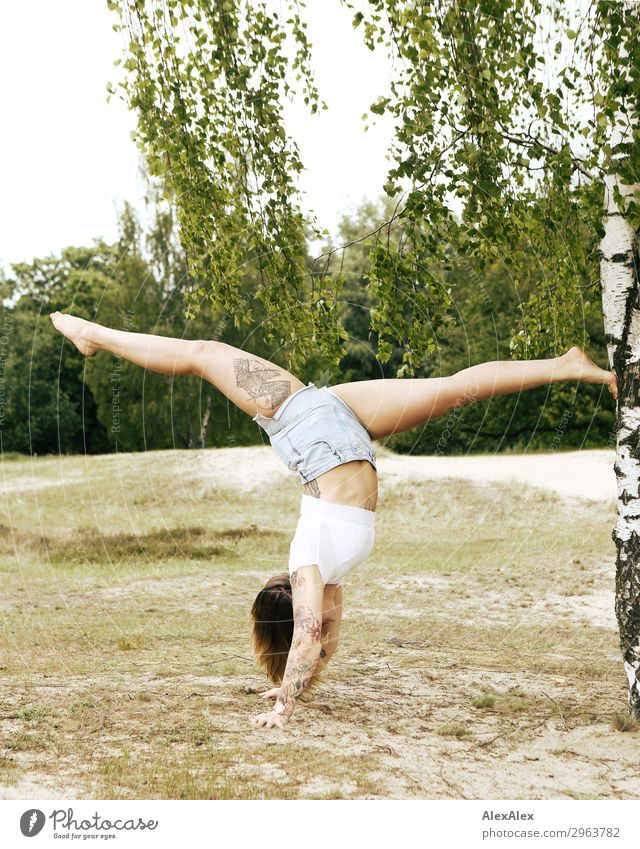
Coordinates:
53 400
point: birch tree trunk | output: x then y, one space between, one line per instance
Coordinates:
621 307
205 422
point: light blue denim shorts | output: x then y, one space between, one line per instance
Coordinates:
313 431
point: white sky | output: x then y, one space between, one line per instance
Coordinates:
67 159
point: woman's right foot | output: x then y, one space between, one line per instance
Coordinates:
77 330
582 367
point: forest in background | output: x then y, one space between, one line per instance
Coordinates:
52 400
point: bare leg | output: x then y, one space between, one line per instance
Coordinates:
391 406
251 382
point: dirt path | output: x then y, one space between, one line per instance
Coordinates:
580 474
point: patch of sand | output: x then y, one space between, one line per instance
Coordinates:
578 474
484 605
583 474
551 750
42 788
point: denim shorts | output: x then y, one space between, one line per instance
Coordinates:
313 431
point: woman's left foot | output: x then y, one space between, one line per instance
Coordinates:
582 367
77 330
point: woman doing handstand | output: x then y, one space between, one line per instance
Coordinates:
325 434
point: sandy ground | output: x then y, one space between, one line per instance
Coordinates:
580 474
544 738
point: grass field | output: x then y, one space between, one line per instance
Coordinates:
479 656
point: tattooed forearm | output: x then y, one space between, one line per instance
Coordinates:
260 382
296 678
304 655
307 629
311 489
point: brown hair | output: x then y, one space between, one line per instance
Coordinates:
272 632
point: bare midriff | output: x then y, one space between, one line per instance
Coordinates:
354 483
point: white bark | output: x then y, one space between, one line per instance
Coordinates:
621 307
205 422
617 273
622 329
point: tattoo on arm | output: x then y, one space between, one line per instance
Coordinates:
311 489
260 381
307 631
296 678
307 628
298 583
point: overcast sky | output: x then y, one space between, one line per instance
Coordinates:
68 161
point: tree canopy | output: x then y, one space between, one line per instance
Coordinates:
503 107
52 400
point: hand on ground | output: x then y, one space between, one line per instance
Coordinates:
270 694
270 720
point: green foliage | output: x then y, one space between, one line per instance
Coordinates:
138 408
45 404
208 81
490 111
485 299
53 400
507 120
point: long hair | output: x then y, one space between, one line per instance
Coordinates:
272 629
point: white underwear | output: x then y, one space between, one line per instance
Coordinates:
334 537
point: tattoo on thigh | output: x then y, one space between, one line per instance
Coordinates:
258 380
311 489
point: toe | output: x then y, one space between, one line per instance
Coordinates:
613 388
